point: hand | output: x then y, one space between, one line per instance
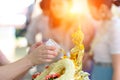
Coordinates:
41 54
34 46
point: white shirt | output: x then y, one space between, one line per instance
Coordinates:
108 42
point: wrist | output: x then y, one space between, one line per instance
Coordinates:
29 61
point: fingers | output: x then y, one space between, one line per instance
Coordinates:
40 44
42 53
50 52
47 53
46 49
46 60
49 47
50 58
34 46
37 44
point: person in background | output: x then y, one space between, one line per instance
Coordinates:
38 54
89 33
39 23
106 44
55 22
38 26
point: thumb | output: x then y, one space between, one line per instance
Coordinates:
34 46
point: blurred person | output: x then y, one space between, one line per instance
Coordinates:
38 54
55 18
88 28
89 33
38 24
55 22
106 44
48 23
71 23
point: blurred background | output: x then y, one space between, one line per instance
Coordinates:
16 15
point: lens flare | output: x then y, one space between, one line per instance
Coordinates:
79 6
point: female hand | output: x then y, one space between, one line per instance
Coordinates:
40 53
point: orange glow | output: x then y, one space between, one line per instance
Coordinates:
79 6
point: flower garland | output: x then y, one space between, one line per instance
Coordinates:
67 68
